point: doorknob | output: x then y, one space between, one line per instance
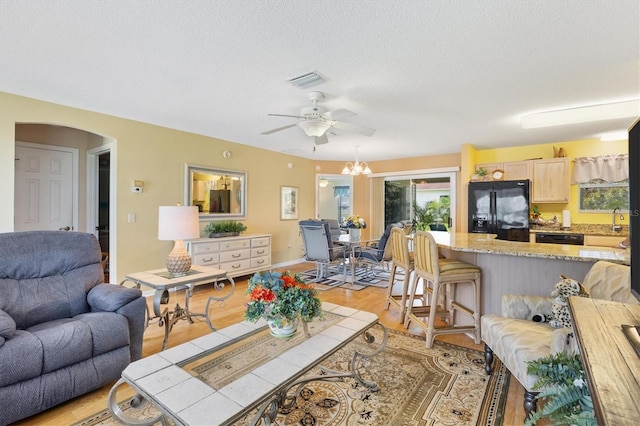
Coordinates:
66 228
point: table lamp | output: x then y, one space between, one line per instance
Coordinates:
177 223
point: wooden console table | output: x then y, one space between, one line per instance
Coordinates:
611 365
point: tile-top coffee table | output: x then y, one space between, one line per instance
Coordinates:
222 377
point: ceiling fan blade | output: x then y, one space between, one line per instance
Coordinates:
339 114
286 115
268 132
354 128
320 140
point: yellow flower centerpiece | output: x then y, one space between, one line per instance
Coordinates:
281 299
354 222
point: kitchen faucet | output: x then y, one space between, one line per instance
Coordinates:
615 227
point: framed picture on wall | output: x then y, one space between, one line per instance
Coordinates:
289 202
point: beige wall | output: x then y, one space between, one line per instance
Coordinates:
157 156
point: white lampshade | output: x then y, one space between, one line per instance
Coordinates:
314 127
178 223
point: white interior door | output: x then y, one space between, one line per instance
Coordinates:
45 189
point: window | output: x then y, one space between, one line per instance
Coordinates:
600 196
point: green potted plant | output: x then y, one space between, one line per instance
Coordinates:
480 174
225 228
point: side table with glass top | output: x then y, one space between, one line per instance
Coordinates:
162 282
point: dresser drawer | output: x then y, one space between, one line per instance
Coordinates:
228 256
260 251
205 248
239 265
235 245
260 262
260 242
207 259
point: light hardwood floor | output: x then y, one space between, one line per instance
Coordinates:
370 299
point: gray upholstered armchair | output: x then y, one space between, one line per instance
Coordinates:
63 332
515 339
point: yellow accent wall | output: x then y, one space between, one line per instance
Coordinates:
579 148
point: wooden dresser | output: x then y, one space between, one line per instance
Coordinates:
611 364
241 255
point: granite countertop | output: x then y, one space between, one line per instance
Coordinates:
582 228
486 243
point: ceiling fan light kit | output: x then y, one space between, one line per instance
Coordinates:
315 128
315 121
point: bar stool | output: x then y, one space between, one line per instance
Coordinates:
438 274
403 259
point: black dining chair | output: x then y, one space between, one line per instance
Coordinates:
377 254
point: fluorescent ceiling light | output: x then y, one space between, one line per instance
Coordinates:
581 114
615 136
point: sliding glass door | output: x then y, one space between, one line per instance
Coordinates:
424 200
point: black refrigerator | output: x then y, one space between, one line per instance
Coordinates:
501 208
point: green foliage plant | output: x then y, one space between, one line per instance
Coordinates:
432 212
563 389
223 226
481 171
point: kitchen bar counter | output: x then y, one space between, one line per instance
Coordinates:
486 243
512 267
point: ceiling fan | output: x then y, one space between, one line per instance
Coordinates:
316 121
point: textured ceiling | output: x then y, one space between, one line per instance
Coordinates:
427 75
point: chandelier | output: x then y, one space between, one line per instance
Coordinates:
356 168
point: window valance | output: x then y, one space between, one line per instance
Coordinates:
609 168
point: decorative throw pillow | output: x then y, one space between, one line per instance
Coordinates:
565 288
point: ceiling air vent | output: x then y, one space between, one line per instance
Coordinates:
305 80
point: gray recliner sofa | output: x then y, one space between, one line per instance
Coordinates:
63 332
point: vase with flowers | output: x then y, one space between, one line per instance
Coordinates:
281 299
354 225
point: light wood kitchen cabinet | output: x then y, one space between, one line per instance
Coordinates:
512 170
551 181
518 170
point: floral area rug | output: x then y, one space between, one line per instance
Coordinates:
444 385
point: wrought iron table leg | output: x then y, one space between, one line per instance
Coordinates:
114 409
218 299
